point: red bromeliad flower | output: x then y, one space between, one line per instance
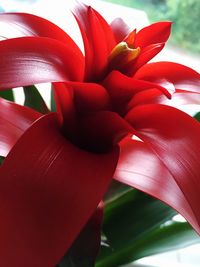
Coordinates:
59 165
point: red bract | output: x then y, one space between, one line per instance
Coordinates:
58 166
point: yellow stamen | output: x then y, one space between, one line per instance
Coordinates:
122 54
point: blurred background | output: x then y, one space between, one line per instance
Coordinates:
183 47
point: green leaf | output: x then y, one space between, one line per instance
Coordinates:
33 99
114 192
169 237
128 213
52 103
197 116
132 226
85 248
1 160
164 238
7 94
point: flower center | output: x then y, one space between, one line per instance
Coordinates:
122 55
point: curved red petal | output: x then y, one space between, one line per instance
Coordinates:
23 24
155 33
90 97
140 168
147 53
46 199
108 33
174 137
120 29
98 39
151 96
154 96
87 48
31 60
122 88
14 120
76 98
181 76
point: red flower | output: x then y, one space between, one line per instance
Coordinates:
59 165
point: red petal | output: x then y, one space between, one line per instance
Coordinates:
88 49
155 33
154 96
98 39
122 88
146 55
151 96
174 136
23 24
120 29
181 76
109 36
140 168
14 120
90 97
31 60
49 189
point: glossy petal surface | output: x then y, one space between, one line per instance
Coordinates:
154 96
122 88
97 37
31 60
140 168
181 76
108 33
24 24
178 149
42 192
155 33
146 55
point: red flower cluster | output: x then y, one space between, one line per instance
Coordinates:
59 165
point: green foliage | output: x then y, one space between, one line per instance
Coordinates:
52 101
137 225
34 100
1 160
185 15
7 94
197 116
